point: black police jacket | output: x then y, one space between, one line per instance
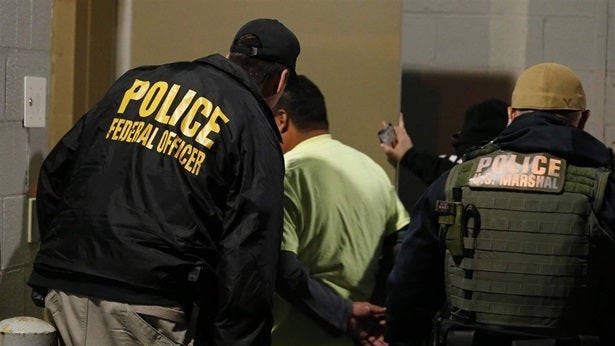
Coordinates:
169 190
416 284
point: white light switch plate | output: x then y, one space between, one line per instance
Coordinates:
35 101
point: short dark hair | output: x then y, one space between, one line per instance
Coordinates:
304 104
261 71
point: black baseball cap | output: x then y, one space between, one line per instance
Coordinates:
278 43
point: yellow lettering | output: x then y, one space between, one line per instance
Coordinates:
181 107
169 140
152 98
112 127
160 146
144 135
182 158
181 145
174 145
211 126
191 159
118 129
162 116
125 130
185 127
198 163
134 131
149 144
135 92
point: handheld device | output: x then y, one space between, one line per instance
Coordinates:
387 135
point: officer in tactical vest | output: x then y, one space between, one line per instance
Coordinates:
515 246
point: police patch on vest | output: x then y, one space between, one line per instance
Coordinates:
516 171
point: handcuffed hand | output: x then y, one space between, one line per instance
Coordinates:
366 324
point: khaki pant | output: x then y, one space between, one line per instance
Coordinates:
82 321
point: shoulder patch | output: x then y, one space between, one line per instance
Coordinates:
516 171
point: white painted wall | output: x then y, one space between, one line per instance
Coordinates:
25 44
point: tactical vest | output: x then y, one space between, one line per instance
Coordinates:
517 230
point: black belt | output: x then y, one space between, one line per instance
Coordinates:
473 337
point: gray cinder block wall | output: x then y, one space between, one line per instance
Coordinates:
458 53
25 45
503 37
488 37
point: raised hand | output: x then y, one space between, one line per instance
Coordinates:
398 148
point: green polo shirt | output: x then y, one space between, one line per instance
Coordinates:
338 206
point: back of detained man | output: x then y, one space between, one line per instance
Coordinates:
339 205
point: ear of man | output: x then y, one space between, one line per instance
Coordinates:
282 120
274 87
583 119
276 84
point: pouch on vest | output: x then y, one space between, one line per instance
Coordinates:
450 220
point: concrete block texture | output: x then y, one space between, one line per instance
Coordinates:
460 40
504 37
15 294
609 135
3 57
21 63
610 98
564 8
8 22
573 41
594 82
12 292
439 6
13 158
14 241
576 8
40 32
419 39
25 24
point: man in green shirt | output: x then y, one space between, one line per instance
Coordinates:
340 208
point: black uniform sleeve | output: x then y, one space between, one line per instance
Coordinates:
54 175
606 267
428 167
251 242
295 284
390 249
415 288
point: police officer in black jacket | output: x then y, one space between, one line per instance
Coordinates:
515 246
166 197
